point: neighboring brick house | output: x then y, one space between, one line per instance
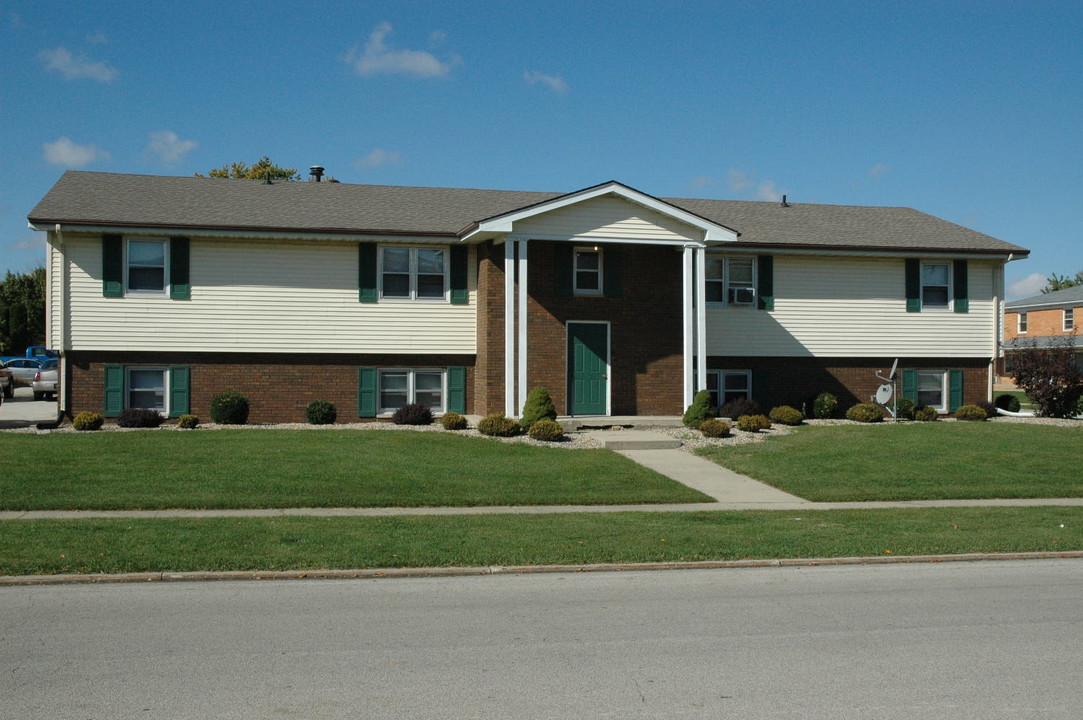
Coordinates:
164 291
1034 321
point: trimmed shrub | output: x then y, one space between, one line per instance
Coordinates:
453 421
140 418
87 421
825 406
926 414
1007 402
753 423
546 430
971 413
699 410
497 425
786 415
904 408
413 414
188 422
989 408
320 412
737 408
865 413
229 408
714 428
538 406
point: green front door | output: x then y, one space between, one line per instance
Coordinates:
588 368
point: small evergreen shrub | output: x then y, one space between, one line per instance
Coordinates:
904 408
453 421
698 411
546 430
188 422
753 423
497 425
87 421
538 406
714 428
413 414
926 414
140 418
865 413
737 408
971 413
989 408
1007 402
320 412
229 408
786 415
825 406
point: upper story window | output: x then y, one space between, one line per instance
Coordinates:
935 285
146 266
413 273
1069 319
731 280
588 271
1022 323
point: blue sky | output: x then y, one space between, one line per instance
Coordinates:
970 111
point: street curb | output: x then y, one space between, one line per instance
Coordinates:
381 573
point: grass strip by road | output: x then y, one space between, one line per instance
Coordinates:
177 545
915 461
311 468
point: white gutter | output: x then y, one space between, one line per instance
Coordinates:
249 234
62 336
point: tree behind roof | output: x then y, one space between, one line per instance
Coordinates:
1062 282
262 169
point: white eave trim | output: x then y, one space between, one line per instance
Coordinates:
152 231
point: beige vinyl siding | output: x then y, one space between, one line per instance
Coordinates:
53 292
853 307
263 297
607 217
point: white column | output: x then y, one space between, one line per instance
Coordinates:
701 318
687 294
509 328
523 350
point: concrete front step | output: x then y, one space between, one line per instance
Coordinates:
634 440
605 422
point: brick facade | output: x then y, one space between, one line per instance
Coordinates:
1041 323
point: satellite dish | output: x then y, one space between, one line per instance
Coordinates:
894 365
883 394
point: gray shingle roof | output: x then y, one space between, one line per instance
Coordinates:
111 199
1072 295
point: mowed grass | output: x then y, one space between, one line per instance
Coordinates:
916 461
306 468
176 545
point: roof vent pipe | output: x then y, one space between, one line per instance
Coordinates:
784 203
317 173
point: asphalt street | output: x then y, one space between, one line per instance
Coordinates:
981 640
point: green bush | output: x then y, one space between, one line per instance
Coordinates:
497 425
412 414
1007 402
714 428
825 406
87 420
546 430
753 423
453 421
737 408
229 408
926 414
140 418
786 415
904 408
989 408
320 412
971 413
699 410
865 413
188 422
538 406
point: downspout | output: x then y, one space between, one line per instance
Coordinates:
63 365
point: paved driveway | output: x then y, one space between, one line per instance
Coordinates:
23 411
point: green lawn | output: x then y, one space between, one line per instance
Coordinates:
305 468
916 461
115 546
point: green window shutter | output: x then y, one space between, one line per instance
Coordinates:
562 267
366 273
955 389
459 259
114 390
366 392
759 387
611 271
910 385
456 389
913 285
960 287
765 282
112 266
180 288
179 391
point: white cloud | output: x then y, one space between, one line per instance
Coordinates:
378 59
740 182
437 36
167 146
379 158
65 152
768 191
1026 287
30 242
553 82
98 38
879 170
702 181
72 68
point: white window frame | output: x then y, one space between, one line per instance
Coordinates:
726 281
1021 326
163 371
128 290
719 376
944 389
948 288
411 388
413 273
600 290
1068 320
